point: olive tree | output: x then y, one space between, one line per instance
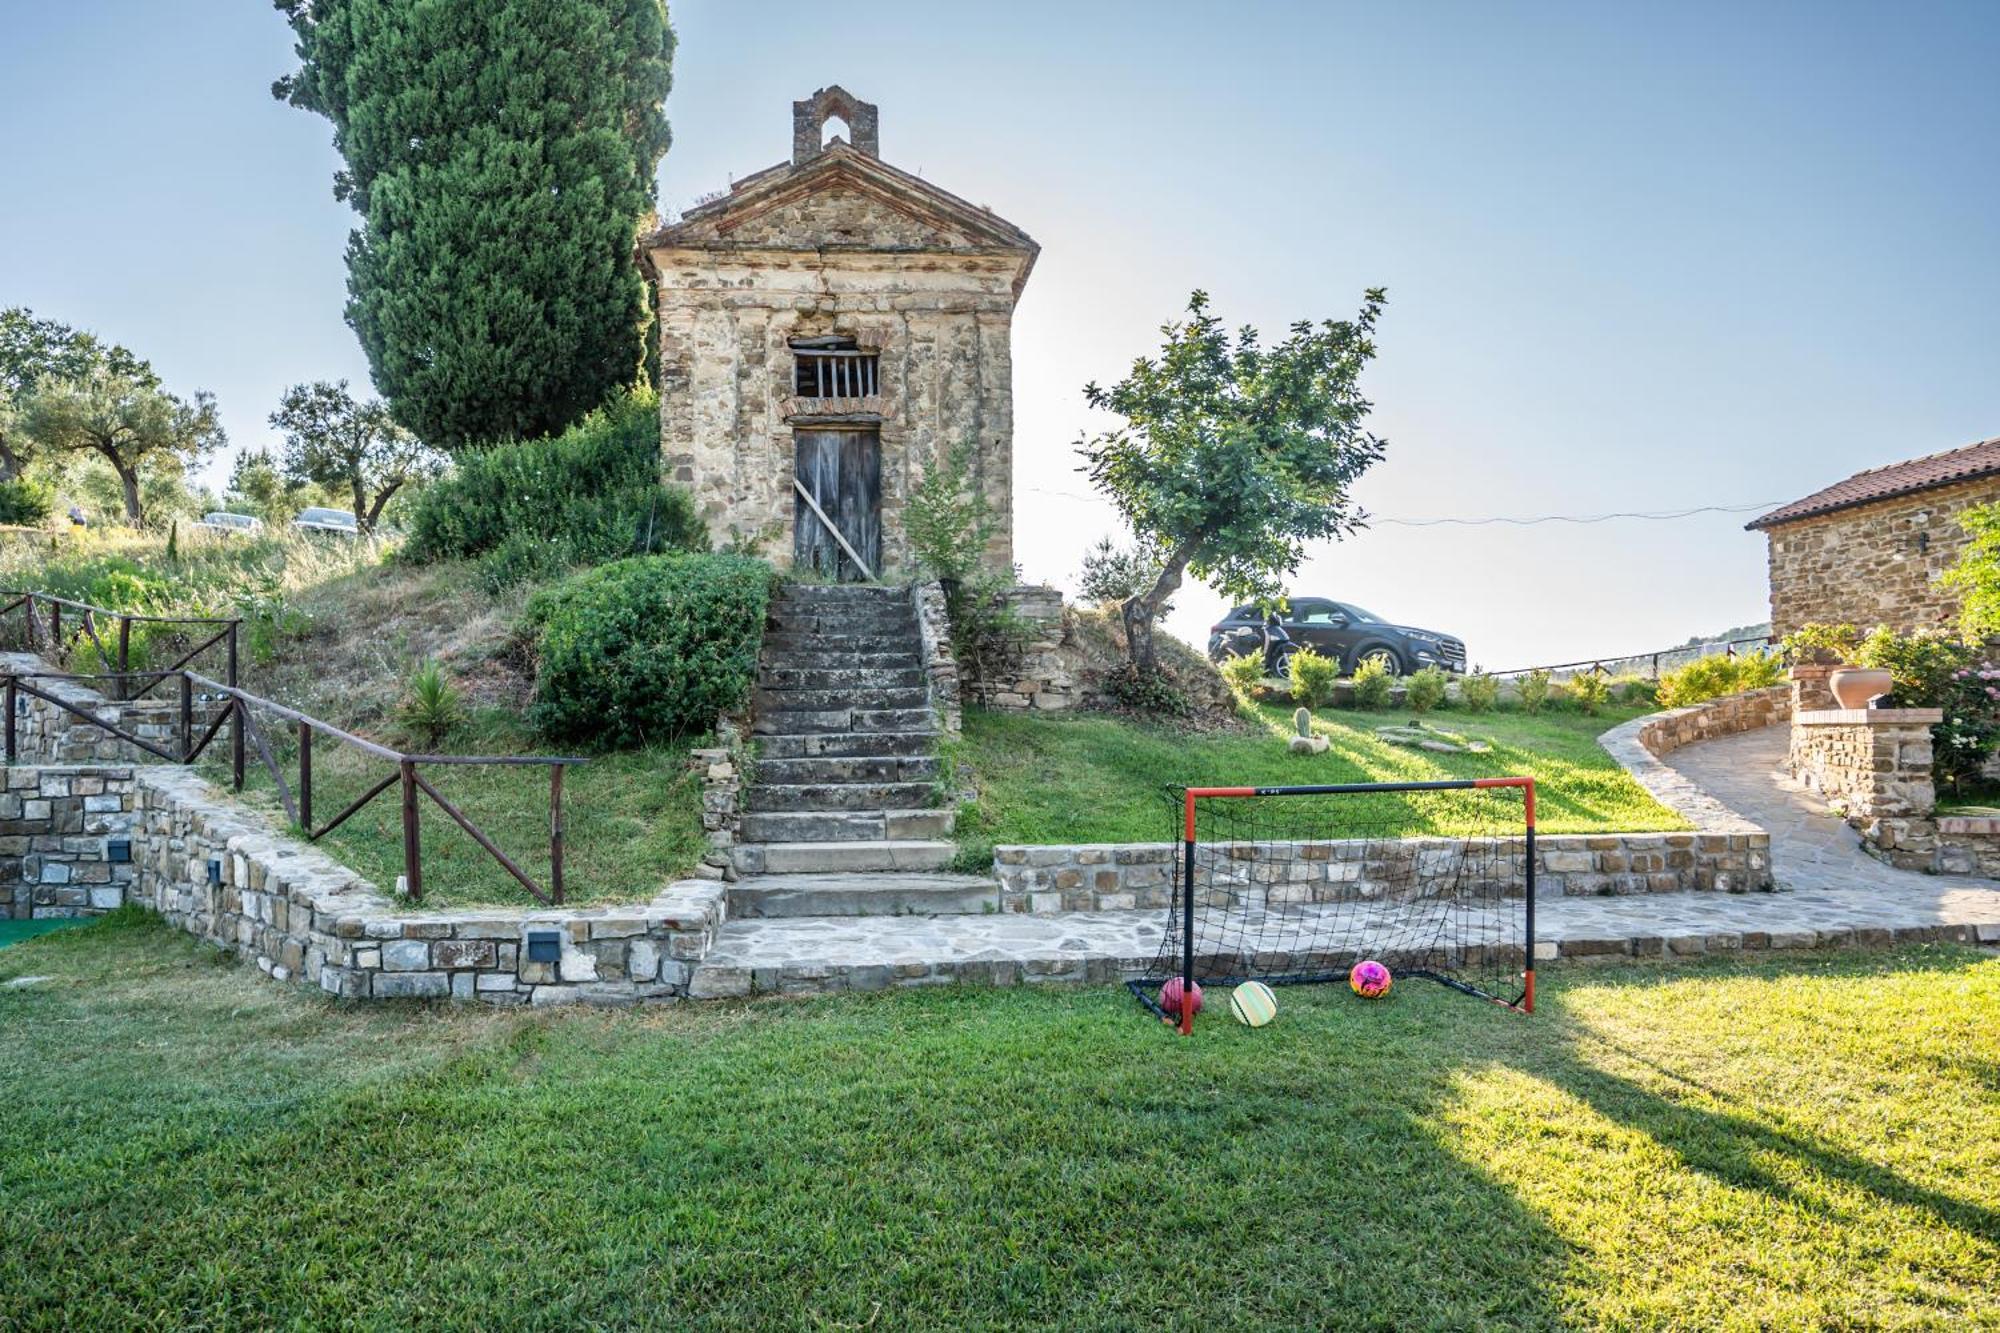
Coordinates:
334 441
1233 457
132 424
32 350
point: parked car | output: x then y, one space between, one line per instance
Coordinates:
1339 630
339 522
230 525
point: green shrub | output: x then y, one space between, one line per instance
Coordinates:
1534 690
533 509
1372 683
1714 676
1148 692
1975 575
947 519
432 707
1929 670
1243 673
1478 692
648 648
1588 690
25 502
1426 689
1820 643
1640 690
1313 675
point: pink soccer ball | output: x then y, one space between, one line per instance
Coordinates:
1170 997
1370 979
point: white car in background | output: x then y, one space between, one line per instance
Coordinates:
231 525
339 522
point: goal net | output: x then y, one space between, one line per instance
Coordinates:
1295 885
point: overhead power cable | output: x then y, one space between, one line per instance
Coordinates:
1656 515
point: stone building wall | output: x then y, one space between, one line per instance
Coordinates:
942 328
58 826
1875 564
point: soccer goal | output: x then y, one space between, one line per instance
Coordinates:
1295 885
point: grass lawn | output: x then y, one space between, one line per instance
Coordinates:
632 819
1801 1141
1099 779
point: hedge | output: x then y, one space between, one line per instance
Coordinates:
647 649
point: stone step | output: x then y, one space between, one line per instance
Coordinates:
820 620
814 701
888 658
806 722
827 797
858 768
797 593
841 678
883 893
805 858
848 825
787 643
845 745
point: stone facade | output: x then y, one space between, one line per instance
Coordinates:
940 667
1873 564
60 830
835 244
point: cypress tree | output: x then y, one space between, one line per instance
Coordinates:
501 154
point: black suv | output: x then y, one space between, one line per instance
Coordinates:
1339 630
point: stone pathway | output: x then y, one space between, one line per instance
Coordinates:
1835 894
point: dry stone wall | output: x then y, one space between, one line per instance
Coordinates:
50 734
65 841
1875 564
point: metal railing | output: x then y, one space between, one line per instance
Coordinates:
237 712
831 373
1605 666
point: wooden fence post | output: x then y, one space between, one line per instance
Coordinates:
413 852
124 656
236 716
306 778
12 695
556 834
187 718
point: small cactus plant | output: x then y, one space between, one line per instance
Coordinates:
1302 720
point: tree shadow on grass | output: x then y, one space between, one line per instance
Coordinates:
1724 1144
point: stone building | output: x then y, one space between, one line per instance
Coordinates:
829 328
1867 551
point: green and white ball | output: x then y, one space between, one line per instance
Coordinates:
1253 1004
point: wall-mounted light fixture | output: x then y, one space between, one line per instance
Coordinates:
118 851
215 874
544 946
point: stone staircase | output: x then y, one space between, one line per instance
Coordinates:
844 816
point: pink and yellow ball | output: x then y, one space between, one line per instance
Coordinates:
1370 979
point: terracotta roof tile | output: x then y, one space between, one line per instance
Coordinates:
1885 483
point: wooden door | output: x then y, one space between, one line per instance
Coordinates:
842 471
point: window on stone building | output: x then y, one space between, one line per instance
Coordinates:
834 368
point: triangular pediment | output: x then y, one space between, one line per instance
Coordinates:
842 199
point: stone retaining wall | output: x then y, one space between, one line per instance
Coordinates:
1024 668
44 733
940 667
1113 876
720 769
57 830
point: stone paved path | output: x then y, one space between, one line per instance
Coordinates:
1835 894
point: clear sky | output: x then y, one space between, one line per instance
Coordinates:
1638 257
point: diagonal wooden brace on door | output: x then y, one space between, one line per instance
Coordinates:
835 532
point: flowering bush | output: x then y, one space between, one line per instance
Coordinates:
1930 670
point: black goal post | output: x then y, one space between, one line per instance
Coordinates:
1295 885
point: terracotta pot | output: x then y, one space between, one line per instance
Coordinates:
1855 686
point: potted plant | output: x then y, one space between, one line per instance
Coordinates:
1836 646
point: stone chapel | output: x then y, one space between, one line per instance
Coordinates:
829 329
